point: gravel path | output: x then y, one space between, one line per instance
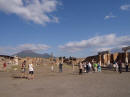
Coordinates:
66 84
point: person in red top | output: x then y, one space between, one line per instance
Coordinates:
4 66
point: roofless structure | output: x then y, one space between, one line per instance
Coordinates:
104 57
125 49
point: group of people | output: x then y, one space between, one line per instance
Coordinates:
118 66
60 67
85 67
30 70
88 67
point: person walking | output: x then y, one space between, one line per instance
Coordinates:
95 67
4 66
99 67
73 67
120 66
85 66
31 71
60 67
114 66
90 66
126 67
23 69
117 67
52 67
80 68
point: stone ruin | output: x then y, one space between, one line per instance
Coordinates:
105 58
9 59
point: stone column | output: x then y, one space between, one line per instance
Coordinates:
108 58
126 57
104 57
100 62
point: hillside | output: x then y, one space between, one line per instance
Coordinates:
30 53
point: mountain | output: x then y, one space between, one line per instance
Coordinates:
30 53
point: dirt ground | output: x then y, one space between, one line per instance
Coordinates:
66 84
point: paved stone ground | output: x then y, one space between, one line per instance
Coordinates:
66 84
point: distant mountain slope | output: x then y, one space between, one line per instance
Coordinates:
30 53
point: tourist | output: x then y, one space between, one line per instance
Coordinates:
126 66
52 67
85 66
117 67
99 67
73 69
80 68
31 71
23 69
114 66
90 66
120 66
60 67
4 66
95 67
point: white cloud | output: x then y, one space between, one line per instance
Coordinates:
109 16
33 47
125 7
38 11
98 43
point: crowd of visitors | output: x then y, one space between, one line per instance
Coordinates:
89 67
96 67
84 67
118 66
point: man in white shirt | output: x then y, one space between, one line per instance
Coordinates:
31 71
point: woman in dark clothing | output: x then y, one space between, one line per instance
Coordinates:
120 66
126 67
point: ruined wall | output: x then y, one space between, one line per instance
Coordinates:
107 59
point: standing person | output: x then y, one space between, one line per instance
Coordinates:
120 66
73 69
85 67
80 68
126 67
4 66
114 66
31 71
23 69
95 67
52 67
60 67
90 66
117 67
99 67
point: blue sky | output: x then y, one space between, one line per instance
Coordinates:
65 27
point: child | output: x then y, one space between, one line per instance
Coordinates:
99 68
